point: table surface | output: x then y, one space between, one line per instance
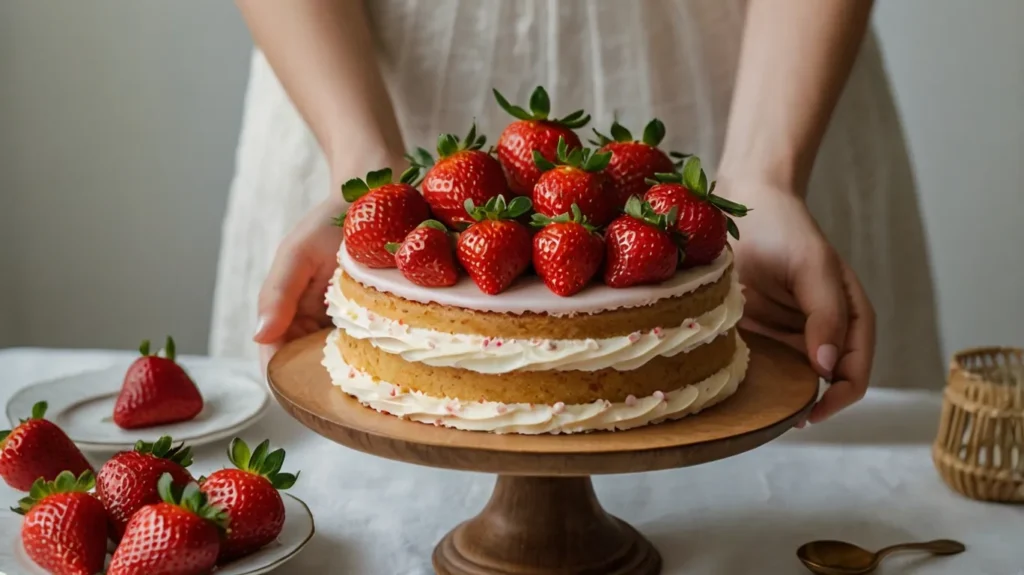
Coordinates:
865 477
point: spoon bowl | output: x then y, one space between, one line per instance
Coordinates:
840 558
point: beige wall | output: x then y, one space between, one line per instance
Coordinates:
119 121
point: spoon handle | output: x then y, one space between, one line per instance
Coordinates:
936 547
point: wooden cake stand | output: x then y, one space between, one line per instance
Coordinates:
543 517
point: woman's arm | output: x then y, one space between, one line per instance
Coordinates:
795 59
323 54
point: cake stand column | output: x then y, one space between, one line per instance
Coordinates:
545 526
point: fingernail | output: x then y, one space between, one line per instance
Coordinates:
827 356
261 322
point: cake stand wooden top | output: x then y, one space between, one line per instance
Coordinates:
779 390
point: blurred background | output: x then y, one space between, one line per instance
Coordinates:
119 120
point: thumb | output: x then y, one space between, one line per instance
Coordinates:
818 290
289 276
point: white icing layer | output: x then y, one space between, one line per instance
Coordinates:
497 355
535 419
529 294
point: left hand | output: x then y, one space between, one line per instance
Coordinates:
800 292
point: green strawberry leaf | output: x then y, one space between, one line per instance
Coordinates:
601 141
540 104
447 145
620 133
573 122
169 350
339 221
238 453
517 207
392 247
730 225
378 178
144 348
39 410
354 189
561 150
410 175
272 464
692 173
654 133
259 455
65 481
575 157
283 481
434 224
597 162
514 110
542 163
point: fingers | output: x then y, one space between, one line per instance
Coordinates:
853 371
818 289
770 313
288 278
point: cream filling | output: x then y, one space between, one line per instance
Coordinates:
535 419
497 355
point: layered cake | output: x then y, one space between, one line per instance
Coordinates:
591 303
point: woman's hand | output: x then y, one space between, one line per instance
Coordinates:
291 301
800 292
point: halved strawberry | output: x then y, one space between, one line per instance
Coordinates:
704 218
577 179
533 130
462 172
567 252
381 212
425 255
641 248
633 161
496 249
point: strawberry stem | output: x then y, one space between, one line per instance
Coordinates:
540 109
162 448
144 347
169 350
65 482
497 209
191 499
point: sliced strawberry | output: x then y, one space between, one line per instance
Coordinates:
425 255
496 249
533 131
641 248
576 179
567 252
381 212
156 390
633 161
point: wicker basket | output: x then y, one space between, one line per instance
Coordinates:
979 450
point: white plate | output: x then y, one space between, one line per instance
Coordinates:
298 529
83 406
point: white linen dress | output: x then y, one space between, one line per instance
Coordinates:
671 59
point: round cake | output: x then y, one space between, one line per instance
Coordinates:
600 296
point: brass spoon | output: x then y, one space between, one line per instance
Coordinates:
840 558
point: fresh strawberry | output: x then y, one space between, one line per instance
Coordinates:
462 172
64 530
576 179
156 390
37 448
567 252
496 249
127 481
634 161
533 131
381 212
704 218
425 256
249 495
178 536
641 248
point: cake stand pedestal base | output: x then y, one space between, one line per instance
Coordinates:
545 526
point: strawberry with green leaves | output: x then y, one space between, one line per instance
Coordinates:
38 448
425 257
634 161
567 252
577 179
179 535
533 131
463 171
496 249
703 218
65 527
127 481
156 390
642 247
381 212
249 495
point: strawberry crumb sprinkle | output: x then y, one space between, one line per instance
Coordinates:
658 332
502 408
630 400
634 337
659 396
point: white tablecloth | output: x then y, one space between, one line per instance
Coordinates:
865 477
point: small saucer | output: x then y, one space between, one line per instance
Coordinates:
83 406
298 530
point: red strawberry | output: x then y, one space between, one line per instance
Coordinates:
640 245
495 250
533 131
249 495
425 256
381 212
37 448
634 161
178 536
64 531
156 390
703 216
127 482
462 172
577 180
566 253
